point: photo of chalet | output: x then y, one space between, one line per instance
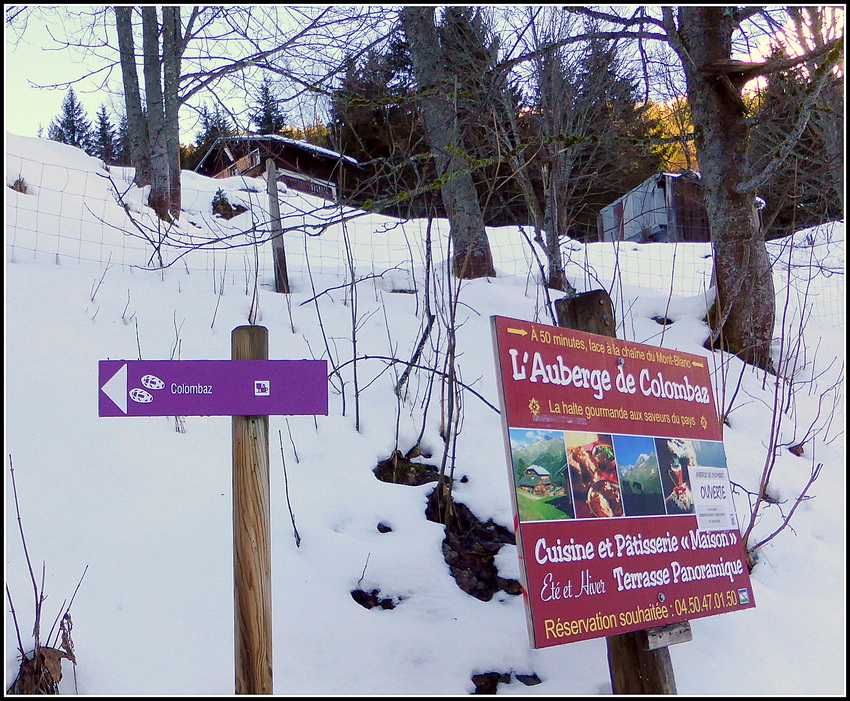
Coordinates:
301 166
538 481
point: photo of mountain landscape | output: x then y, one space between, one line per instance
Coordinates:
640 480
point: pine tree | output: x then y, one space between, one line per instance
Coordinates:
799 193
123 156
470 50
614 155
268 116
375 121
214 124
105 144
71 127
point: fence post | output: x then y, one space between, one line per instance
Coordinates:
281 277
251 532
634 669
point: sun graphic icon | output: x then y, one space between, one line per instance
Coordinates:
534 406
703 422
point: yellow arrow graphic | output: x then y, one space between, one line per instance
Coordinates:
518 332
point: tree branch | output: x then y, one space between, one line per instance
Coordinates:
504 66
821 76
633 21
749 71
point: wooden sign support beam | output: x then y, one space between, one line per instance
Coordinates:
251 532
633 666
281 276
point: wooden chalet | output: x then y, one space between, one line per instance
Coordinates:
666 207
304 167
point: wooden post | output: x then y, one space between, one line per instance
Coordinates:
281 277
251 532
634 668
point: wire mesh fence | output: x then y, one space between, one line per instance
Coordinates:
97 217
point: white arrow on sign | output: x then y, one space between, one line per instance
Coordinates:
116 388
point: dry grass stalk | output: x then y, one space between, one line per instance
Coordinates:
40 669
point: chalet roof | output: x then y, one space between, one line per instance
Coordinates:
542 471
302 145
693 176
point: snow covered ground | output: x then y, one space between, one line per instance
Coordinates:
147 509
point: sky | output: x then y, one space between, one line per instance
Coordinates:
137 511
33 60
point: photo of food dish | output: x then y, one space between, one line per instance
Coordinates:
676 457
594 481
640 478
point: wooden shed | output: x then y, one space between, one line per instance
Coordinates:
301 166
664 207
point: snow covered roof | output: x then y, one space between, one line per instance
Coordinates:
303 145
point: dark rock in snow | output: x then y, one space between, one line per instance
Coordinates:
488 682
371 599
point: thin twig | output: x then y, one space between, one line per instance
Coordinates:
286 490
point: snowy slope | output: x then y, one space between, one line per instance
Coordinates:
147 509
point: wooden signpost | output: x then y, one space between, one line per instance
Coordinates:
249 387
252 566
624 518
634 667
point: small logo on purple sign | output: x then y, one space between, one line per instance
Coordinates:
262 388
139 395
152 382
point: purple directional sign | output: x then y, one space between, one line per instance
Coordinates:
212 387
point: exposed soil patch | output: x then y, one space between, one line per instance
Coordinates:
488 682
470 546
400 469
529 679
225 210
372 599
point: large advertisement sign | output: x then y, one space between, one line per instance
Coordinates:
623 507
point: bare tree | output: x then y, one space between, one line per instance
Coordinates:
703 40
234 45
472 256
815 28
575 144
137 125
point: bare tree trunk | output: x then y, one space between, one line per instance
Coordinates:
137 128
555 221
742 318
172 52
472 256
158 198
